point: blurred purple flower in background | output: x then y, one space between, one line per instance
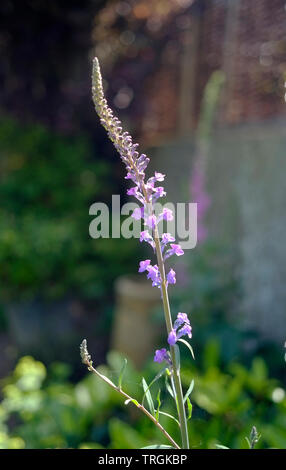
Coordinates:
200 196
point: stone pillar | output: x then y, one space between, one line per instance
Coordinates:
135 331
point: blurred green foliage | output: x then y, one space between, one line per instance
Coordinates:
47 184
42 409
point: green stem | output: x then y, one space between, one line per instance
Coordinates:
176 366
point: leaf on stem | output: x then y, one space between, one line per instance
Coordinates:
169 416
158 446
188 346
189 391
190 409
148 397
159 405
169 388
157 377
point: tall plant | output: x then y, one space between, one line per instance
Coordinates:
147 192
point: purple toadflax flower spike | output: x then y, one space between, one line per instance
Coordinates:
147 194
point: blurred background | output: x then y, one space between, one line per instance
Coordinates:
201 85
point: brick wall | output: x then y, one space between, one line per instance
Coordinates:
246 39
253 57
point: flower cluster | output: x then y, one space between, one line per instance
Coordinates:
147 193
181 328
135 163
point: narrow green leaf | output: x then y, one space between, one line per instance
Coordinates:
148 397
159 405
169 416
157 377
122 373
169 389
248 442
189 391
190 409
158 446
174 391
188 346
219 446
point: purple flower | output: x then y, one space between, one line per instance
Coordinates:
146 237
185 330
171 277
154 275
159 176
160 355
153 272
167 214
132 191
181 328
138 213
142 162
176 249
158 192
144 265
181 319
151 221
172 338
167 238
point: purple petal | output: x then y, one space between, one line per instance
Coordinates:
132 191
171 277
167 214
176 249
160 355
151 221
144 265
172 338
138 213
